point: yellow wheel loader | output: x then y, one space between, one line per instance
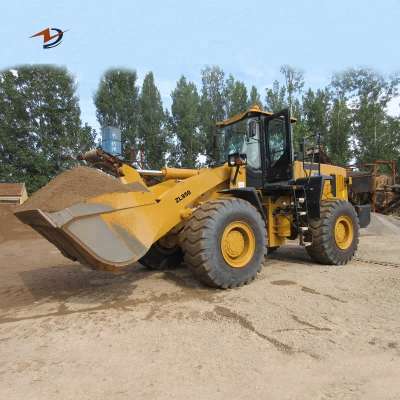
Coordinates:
220 222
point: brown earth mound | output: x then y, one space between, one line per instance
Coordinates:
70 187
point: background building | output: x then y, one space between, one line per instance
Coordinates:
12 193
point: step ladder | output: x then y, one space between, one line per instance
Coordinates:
301 214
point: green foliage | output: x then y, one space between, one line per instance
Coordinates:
40 126
172 149
368 94
288 95
316 111
275 97
255 98
152 134
185 123
339 132
350 114
117 104
391 140
235 95
212 107
41 130
294 83
314 115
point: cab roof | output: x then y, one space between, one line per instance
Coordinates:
253 111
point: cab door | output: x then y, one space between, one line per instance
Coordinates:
279 147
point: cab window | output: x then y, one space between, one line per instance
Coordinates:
241 137
252 144
276 140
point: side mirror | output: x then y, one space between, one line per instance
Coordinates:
237 159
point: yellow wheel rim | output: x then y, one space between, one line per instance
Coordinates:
344 233
238 244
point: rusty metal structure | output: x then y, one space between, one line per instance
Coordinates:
378 183
385 186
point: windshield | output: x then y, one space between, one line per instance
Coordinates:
241 137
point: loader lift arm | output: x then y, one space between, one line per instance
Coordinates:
116 229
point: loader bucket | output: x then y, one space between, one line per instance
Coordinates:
97 234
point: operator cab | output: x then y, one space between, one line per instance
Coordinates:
265 138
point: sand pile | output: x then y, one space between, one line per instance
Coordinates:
70 187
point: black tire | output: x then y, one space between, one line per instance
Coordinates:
201 242
324 248
162 258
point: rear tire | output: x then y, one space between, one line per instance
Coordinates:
335 234
224 242
162 258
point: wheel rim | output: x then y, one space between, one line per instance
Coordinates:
344 232
238 244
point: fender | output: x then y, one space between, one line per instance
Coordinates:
249 194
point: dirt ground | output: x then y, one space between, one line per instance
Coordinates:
300 331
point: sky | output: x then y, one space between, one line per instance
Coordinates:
251 40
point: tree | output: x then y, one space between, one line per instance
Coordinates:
315 111
117 105
288 95
339 132
391 140
368 94
294 83
235 95
275 98
152 132
255 98
173 153
315 114
212 107
185 121
40 127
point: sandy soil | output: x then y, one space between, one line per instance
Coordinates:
300 331
10 226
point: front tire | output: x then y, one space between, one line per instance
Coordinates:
224 242
335 234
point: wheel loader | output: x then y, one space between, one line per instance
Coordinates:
220 222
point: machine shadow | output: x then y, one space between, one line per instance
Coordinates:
291 253
67 281
81 285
